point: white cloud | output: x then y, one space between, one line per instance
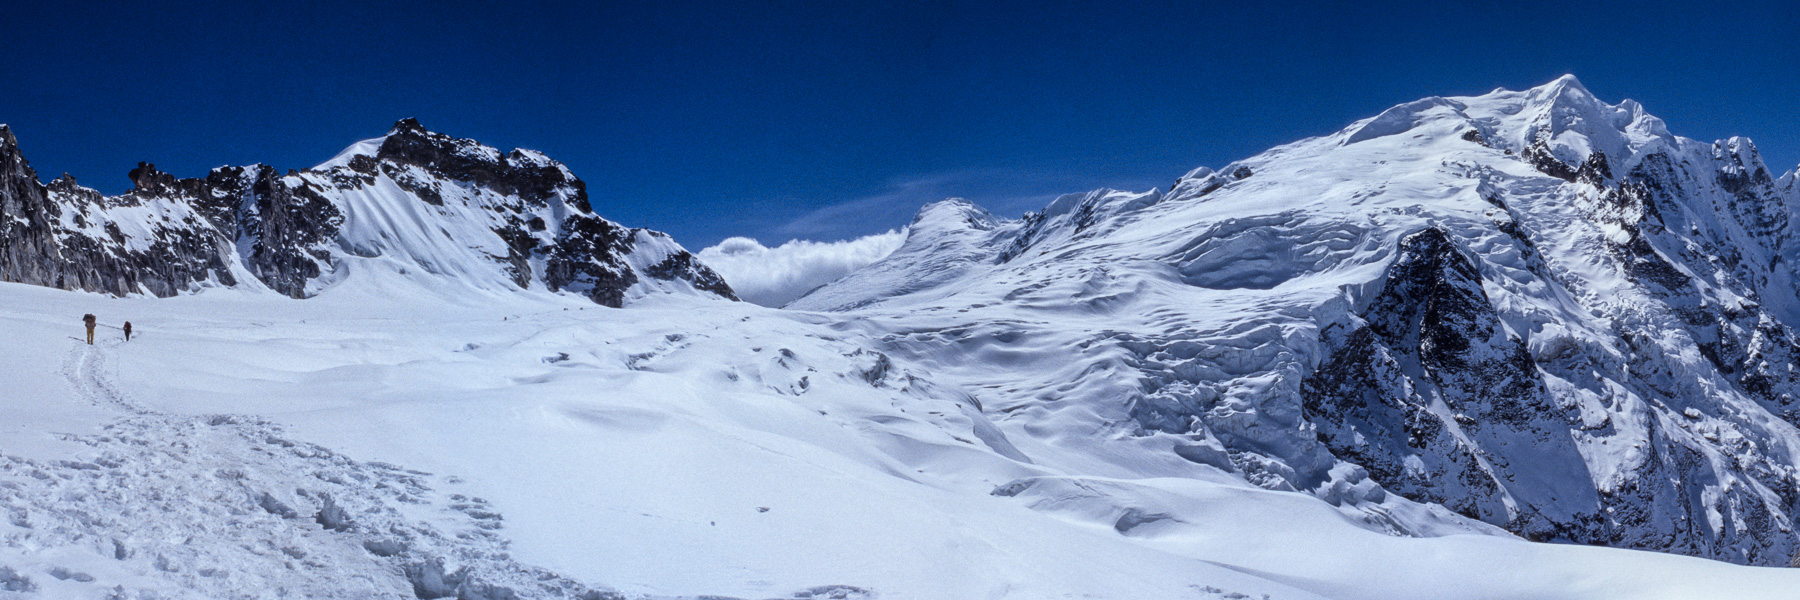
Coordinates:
776 276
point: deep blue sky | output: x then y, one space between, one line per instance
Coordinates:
836 119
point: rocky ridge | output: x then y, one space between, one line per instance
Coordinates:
420 204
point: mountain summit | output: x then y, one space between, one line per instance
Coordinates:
413 206
1536 309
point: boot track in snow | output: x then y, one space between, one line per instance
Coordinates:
226 506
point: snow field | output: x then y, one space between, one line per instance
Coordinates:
552 449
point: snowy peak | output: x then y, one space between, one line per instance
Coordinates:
1531 308
1560 129
1563 120
1564 94
523 173
1559 121
1567 83
412 208
952 214
1567 119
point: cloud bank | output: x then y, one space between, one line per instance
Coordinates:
776 276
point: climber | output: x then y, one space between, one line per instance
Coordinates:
128 331
89 319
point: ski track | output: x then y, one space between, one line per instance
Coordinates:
84 369
165 506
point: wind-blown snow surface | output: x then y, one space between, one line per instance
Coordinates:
1535 309
242 445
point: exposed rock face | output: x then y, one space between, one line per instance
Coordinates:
288 230
413 198
1433 334
61 235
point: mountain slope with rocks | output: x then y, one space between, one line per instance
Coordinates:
413 204
1538 310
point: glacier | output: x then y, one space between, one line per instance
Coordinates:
1538 310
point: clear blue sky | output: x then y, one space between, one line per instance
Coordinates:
836 119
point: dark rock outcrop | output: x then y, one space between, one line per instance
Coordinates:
1433 335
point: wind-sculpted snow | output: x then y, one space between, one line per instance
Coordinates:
413 206
1534 309
1264 252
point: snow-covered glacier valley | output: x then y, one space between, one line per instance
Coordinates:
246 446
1520 345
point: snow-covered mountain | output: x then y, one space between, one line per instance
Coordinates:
1539 310
1368 366
414 205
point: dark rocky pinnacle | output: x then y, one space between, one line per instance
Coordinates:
407 125
146 178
